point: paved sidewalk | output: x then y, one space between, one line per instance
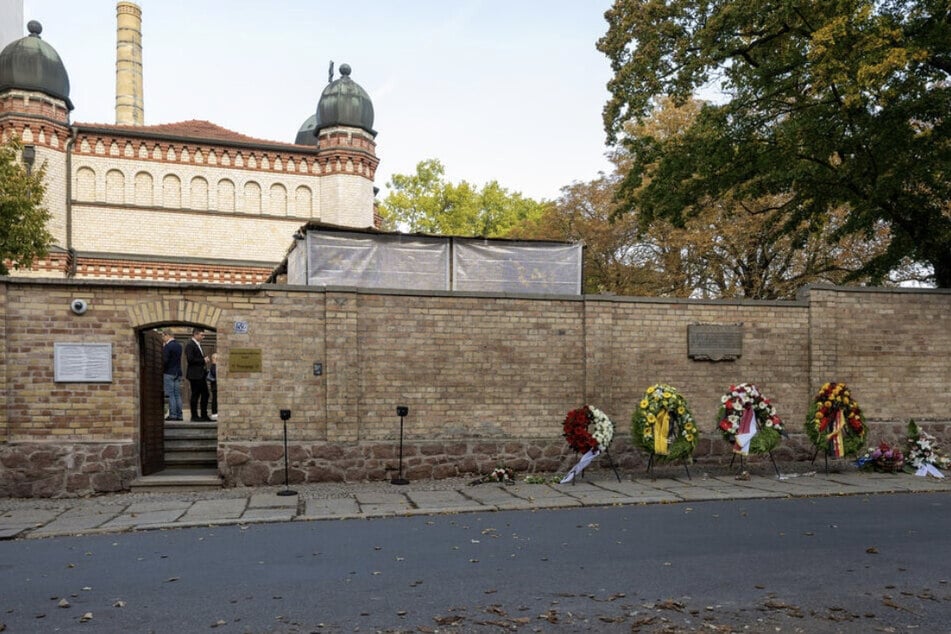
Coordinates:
36 518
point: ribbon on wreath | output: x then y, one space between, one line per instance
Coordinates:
837 437
746 432
661 431
581 466
927 469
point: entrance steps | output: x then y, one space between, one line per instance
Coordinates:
179 479
191 444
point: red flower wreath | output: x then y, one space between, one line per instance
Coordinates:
576 431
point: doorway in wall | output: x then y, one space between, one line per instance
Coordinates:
172 448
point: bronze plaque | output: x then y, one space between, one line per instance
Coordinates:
713 342
244 360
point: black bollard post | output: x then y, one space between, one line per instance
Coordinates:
285 415
401 411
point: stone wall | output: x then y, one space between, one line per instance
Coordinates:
487 379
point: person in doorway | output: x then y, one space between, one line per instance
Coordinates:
213 384
196 374
172 374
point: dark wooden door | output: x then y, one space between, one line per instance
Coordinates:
152 399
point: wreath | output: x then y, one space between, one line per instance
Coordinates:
663 425
580 437
741 403
835 422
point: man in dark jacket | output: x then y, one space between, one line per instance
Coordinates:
172 374
195 373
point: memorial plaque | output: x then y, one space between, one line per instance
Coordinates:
713 342
82 362
244 360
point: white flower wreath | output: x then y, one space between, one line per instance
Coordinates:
602 429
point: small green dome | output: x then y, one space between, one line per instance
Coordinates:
306 134
31 64
345 103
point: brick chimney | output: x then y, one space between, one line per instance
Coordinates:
130 105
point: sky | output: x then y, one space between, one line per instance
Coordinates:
505 90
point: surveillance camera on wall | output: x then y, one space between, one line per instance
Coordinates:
78 306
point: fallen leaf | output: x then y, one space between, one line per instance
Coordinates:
85 617
871 550
119 604
170 579
219 623
63 603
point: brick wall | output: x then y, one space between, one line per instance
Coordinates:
487 379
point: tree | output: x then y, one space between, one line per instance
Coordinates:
830 105
23 233
427 202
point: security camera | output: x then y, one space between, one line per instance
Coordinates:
78 306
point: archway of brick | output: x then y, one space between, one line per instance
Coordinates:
171 447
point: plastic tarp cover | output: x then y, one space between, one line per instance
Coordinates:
376 261
516 267
297 264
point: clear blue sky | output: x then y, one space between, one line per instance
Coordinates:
510 90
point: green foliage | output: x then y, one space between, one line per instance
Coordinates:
23 233
427 202
829 105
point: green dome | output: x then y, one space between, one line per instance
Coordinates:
306 134
345 103
31 64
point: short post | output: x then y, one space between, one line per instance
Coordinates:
285 415
401 411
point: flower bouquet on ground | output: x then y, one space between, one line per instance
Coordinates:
588 431
835 422
748 421
884 459
663 426
505 475
924 458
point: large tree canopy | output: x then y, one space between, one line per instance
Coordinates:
829 105
23 233
427 202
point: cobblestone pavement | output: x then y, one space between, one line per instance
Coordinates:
37 518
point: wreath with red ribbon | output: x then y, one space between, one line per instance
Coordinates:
578 435
738 407
835 422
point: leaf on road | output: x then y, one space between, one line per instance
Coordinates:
219 623
171 579
63 603
85 617
119 604
871 550
447 620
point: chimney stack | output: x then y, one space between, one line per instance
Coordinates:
130 106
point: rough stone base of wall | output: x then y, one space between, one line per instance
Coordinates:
66 469
262 463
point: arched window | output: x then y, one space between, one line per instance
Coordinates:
252 198
278 200
303 203
143 189
85 184
171 191
225 195
115 187
199 193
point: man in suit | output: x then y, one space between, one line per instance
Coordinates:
172 374
195 373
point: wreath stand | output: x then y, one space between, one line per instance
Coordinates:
607 454
816 454
771 459
650 467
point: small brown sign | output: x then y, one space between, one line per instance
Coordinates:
713 342
244 360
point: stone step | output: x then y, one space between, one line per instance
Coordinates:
183 434
179 480
191 457
190 444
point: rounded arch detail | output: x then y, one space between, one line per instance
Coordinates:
183 311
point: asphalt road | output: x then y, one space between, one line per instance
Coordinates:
830 564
